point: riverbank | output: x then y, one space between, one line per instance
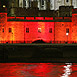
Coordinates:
38 53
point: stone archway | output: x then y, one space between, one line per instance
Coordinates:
38 41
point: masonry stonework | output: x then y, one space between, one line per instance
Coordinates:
21 30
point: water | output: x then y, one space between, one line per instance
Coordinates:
38 69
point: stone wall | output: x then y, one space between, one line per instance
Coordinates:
60 31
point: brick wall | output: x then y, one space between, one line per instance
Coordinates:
60 31
18 34
15 31
74 27
3 23
44 35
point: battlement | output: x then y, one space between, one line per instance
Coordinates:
27 29
45 19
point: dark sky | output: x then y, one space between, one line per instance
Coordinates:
4 2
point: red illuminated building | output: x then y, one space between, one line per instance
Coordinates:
30 29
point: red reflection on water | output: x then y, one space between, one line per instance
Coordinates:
35 70
74 68
67 70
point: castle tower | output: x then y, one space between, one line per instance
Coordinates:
42 4
74 2
12 13
52 4
25 3
68 2
3 23
16 3
58 3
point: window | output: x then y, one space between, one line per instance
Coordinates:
10 30
29 3
67 30
39 30
67 0
24 3
3 30
27 30
50 30
42 3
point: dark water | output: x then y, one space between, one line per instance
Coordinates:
38 69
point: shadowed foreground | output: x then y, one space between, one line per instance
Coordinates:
38 53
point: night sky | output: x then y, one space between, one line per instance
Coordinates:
4 2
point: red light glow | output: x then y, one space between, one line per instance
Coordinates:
19 34
29 18
10 17
48 18
19 17
39 18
